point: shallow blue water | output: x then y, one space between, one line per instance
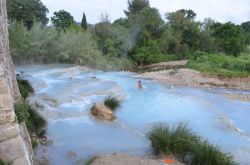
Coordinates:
71 127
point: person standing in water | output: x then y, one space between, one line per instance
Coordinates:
139 84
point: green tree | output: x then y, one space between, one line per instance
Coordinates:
229 38
62 20
27 11
246 27
185 30
113 39
84 24
122 22
135 6
207 40
146 27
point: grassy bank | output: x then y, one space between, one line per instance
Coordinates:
189 148
222 65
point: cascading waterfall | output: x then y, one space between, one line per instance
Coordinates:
65 93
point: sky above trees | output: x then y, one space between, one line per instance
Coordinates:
236 11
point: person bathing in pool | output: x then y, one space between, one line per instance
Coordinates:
139 84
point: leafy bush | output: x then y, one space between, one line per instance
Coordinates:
34 144
25 88
34 122
47 45
2 162
188 147
112 103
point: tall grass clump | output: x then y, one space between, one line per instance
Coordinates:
25 88
91 160
35 123
207 153
112 103
180 141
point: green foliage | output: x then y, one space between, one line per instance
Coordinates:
27 11
246 28
112 103
35 45
222 65
207 153
34 122
3 162
135 6
62 20
34 144
141 38
113 40
230 38
171 140
22 109
25 88
185 32
91 160
74 45
84 23
188 147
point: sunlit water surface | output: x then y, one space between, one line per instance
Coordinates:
66 103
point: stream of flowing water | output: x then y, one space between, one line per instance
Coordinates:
66 103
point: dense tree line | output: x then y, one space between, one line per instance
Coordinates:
142 36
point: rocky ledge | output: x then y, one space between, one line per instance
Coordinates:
122 159
103 113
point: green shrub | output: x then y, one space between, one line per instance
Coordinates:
34 122
25 88
187 146
222 65
22 110
156 58
2 162
91 160
34 144
45 45
112 103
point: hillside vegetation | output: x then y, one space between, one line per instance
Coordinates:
142 37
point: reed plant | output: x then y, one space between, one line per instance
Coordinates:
189 148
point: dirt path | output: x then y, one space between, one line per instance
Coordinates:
122 159
196 79
164 66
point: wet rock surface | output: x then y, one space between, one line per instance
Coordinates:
122 159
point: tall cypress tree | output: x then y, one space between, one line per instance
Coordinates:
84 24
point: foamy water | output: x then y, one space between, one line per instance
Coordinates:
66 104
